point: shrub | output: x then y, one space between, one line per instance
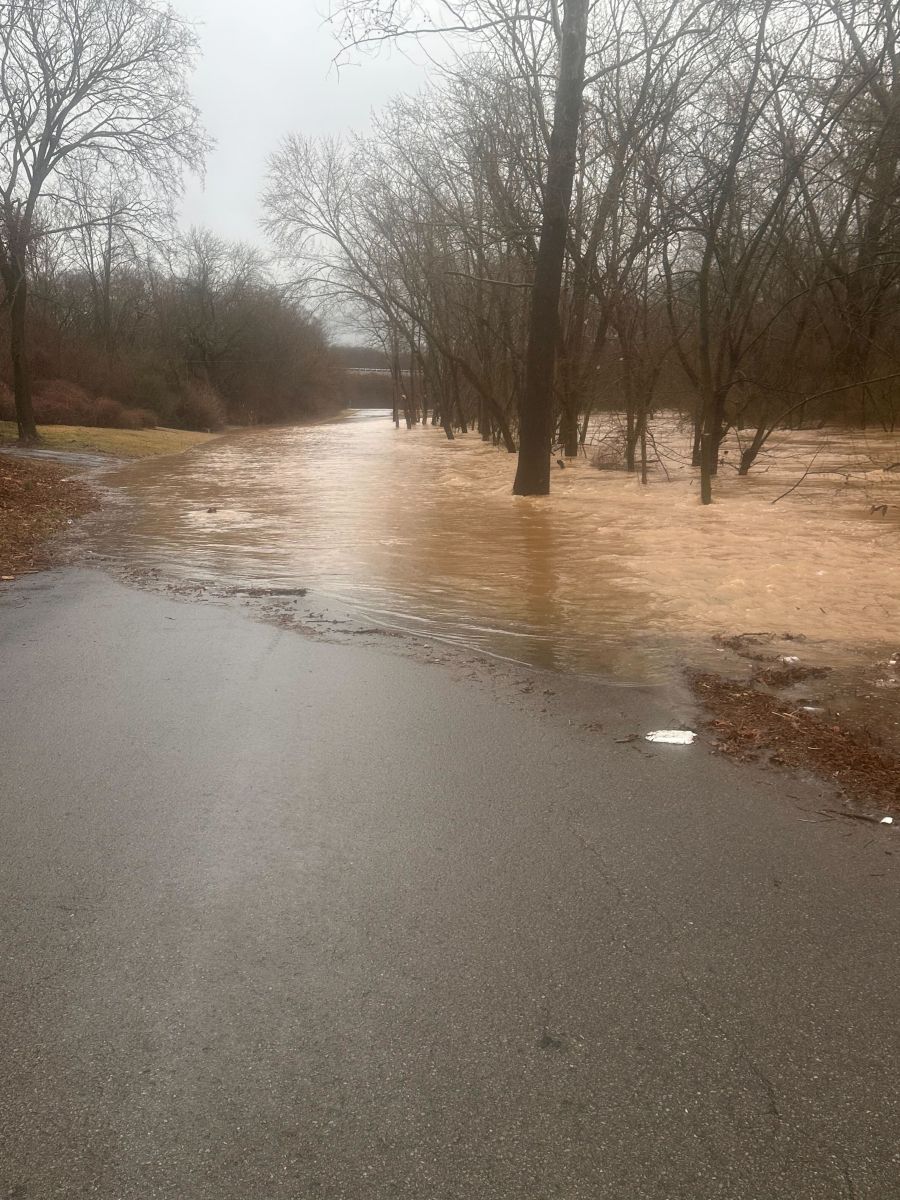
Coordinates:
134 418
7 403
200 407
146 418
109 413
51 412
149 391
70 403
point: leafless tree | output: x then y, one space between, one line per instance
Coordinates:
733 167
87 86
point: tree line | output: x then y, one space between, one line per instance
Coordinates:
639 204
109 314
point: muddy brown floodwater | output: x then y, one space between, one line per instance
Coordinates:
604 577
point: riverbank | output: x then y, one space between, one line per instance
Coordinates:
118 443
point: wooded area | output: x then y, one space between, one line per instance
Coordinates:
111 316
730 249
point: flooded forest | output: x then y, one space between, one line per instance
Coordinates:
730 249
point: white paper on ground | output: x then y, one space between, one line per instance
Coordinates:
672 737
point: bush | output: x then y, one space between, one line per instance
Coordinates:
149 391
113 415
145 418
200 407
109 413
51 412
69 403
7 403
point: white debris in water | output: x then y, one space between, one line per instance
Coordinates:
672 737
887 820
789 660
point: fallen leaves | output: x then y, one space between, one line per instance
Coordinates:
749 724
36 502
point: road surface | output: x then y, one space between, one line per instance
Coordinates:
287 919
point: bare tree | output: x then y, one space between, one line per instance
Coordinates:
362 22
536 408
86 86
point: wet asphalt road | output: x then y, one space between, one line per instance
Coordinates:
289 919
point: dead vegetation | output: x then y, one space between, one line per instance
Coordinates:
751 725
36 502
782 675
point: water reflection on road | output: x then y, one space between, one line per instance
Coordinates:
602 577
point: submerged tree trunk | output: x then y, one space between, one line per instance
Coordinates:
536 406
568 429
750 453
585 422
397 378
707 457
485 426
412 408
457 397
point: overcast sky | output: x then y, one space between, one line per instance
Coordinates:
265 72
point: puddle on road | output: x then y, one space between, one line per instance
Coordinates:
602 578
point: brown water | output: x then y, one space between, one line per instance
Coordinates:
604 576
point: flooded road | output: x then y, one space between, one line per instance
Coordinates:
604 577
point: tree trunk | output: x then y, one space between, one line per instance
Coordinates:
457 397
707 458
536 406
750 453
695 442
17 300
412 408
485 426
631 429
569 429
585 422
397 378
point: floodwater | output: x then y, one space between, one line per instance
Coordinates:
604 577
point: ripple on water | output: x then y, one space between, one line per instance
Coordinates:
602 577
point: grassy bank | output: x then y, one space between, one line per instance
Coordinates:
122 443
36 502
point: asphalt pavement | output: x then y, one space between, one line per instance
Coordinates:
287 919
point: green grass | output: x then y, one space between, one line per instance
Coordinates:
123 443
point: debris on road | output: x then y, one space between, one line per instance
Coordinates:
750 724
671 737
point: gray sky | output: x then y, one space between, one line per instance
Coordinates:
265 72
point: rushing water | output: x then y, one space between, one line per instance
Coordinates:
604 576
